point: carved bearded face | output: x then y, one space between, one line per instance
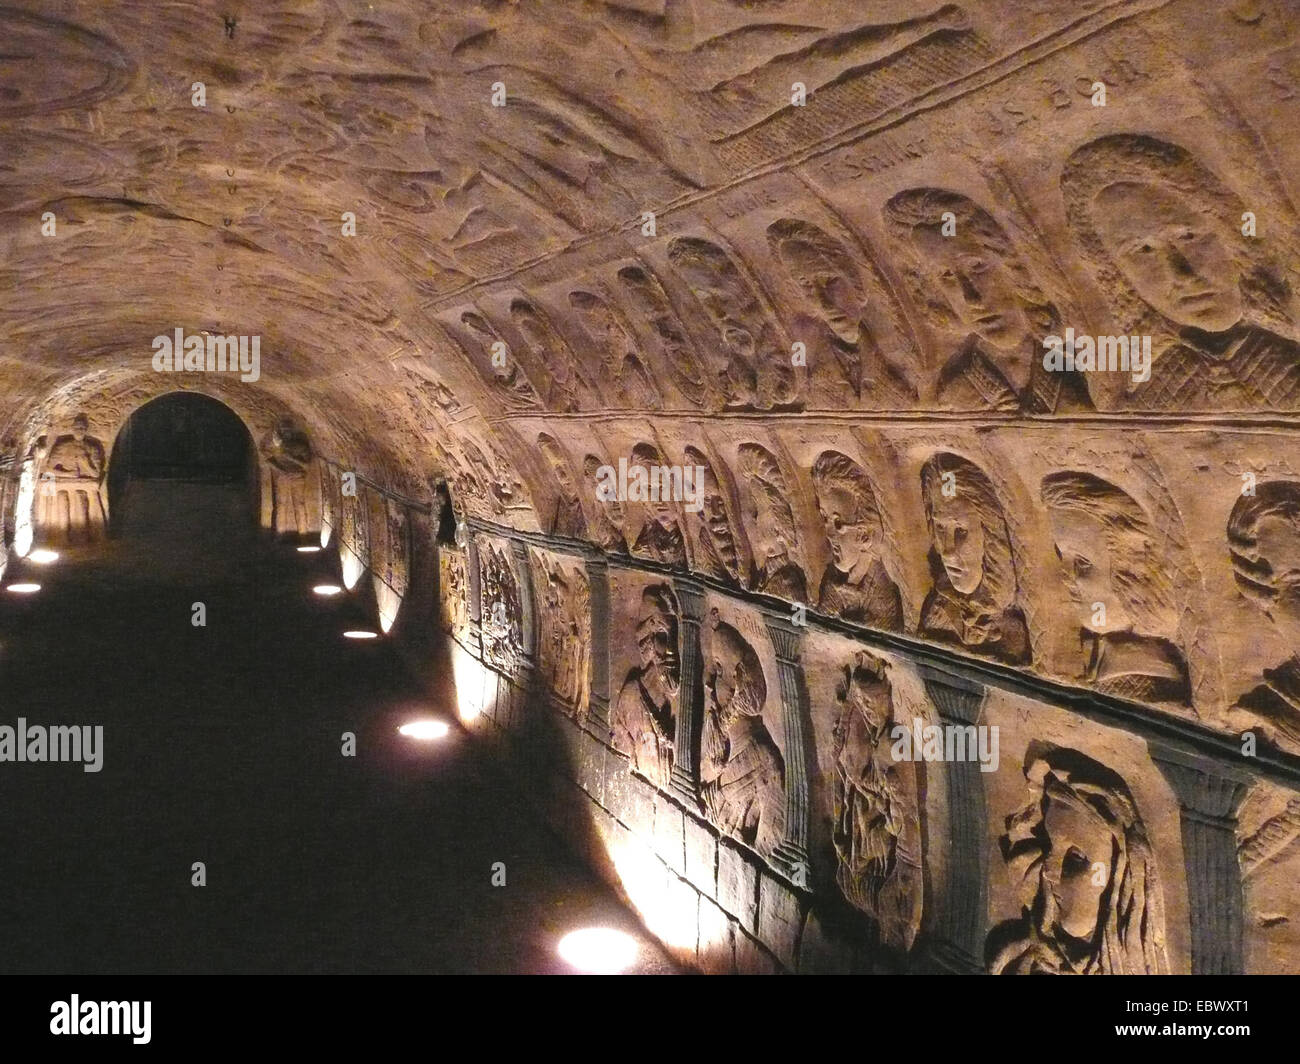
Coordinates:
1078 841
959 539
1086 564
1175 258
723 677
977 284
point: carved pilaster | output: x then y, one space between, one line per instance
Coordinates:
474 636
1208 797
791 854
528 622
690 708
598 660
958 942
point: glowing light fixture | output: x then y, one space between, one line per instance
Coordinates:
24 589
598 950
425 729
43 557
360 634
309 549
328 589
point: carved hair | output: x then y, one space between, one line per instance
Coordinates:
833 469
923 208
1254 572
750 688
786 231
999 586
1139 573
766 481
1131 158
1128 936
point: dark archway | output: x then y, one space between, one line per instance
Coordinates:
183 464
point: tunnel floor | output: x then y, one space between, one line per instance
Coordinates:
222 744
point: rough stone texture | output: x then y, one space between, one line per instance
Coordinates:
717 954
737 884
701 855
836 320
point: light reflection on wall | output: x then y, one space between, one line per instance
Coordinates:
353 567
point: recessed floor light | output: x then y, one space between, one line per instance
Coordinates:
43 557
308 550
358 634
425 729
598 950
24 589
328 589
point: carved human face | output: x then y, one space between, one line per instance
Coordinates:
959 539
1085 556
656 642
978 285
1175 258
1077 841
852 544
715 520
770 531
1279 545
826 284
723 677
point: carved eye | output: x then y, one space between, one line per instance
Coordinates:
959 535
977 265
948 276
1082 567
1075 863
836 523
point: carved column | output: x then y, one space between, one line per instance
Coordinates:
598 661
528 623
1208 797
958 943
475 594
791 854
690 704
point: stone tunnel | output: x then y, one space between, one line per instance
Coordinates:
832 468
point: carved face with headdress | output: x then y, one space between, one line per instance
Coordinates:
1092 901
967 529
656 636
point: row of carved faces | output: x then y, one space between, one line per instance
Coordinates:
1162 234
1103 538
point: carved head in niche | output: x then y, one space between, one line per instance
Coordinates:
733 675
503 367
591 466
731 303
864 689
769 508
1164 235
558 464
1107 551
825 272
656 636
971 546
849 512
601 321
80 426
1091 897
983 284
1264 541
664 510
714 511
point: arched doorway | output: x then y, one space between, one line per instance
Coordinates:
183 475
